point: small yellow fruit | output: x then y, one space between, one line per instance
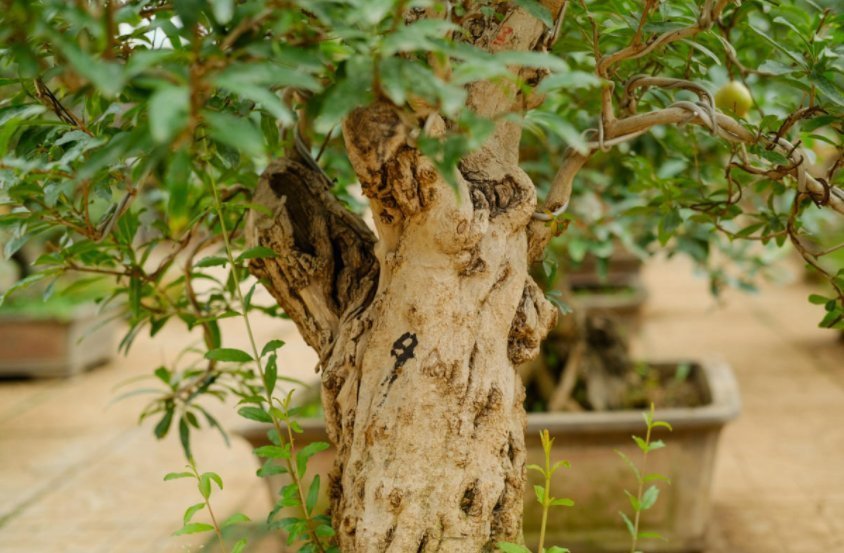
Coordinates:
734 98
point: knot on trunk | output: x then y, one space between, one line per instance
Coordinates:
391 171
535 317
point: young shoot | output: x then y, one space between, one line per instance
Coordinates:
644 499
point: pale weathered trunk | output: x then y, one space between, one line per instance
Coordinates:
419 333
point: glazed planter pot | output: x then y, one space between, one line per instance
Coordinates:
44 346
598 477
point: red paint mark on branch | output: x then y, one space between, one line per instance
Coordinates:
503 36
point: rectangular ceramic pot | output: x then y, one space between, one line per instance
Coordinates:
54 347
598 476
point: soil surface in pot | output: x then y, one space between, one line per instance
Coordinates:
585 365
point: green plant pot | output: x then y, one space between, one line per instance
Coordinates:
598 476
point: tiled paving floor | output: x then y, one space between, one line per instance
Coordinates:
78 475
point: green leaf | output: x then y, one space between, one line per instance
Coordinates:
643 445
560 464
230 355
306 453
828 88
662 424
562 502
176 475
419 35
193 528
212 261
168 112
776 44
630 528
656 476
223 10
634 501
537 468
273 451
107 76
258 252
192 510
184 436
260 95
508 547
540 493
234 519
817 299
271 373
164 424
255 414
239 546
25 283
649 497
235 132
633 468
652 536
313 495
557 549
271 346
204 483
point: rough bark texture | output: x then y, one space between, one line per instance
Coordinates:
419 334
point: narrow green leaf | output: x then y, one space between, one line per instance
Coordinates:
643 445
177 475
211 261
204 486
168 112
234 519
235 132
164 424
255 414
223 10
193 528
649 497
313 495
540 493
271 373
271 346
258 252
537 468
306 453
630 464
629 524
192 510
239 546
273 451
562 502
231 355
184 436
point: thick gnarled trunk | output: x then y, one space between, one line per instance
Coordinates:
418 333
426 403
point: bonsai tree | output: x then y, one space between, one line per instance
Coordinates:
156 135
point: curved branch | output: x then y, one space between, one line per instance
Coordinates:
679 113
